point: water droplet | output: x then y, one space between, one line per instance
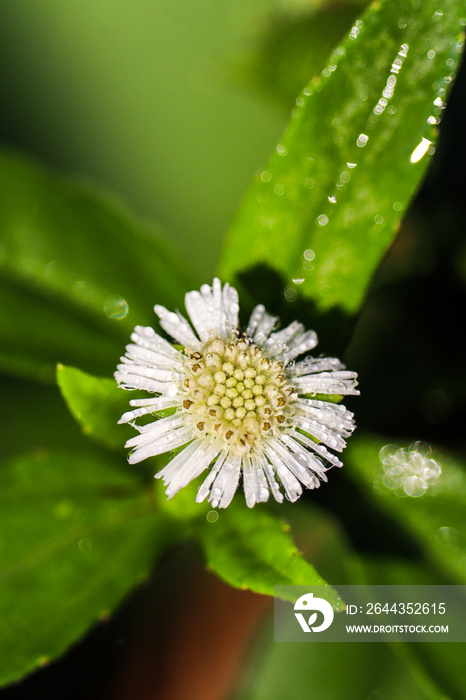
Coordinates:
322 220
302 459
355 29
397 206
279 189
415 486
300 101
362 140
420 150
212 516
447 535
387 452
332 199
266 176
281 149
116 307
402 23
431 54
309 254
309 183
298 280
290 294
85 545
351 165
409 472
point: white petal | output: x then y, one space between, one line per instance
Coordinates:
278 344
133 376
146 337
178 327
322 433
161 444
168 472
205 453
310 461
133 380
153 358
202 316
213 309
335 416
269 473
297 464
340 382
204 489
260 325
151 431
320 449
147 370
310 365
256 315
147 406
230 306
301 344
226 482
255 485
290 482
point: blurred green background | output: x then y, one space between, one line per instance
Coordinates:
173 107
137 96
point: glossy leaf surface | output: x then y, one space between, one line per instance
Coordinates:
81 269
252 549
97 403
329 201
84 535
425 494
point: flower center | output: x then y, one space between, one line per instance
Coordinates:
235 393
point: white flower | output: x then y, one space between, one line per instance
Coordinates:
236 403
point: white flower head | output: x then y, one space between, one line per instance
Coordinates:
236 403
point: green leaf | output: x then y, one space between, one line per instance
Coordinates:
77 272
294 45
437 666
56 429
253 549
329 201
77 533
434 515
328 672
96 403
